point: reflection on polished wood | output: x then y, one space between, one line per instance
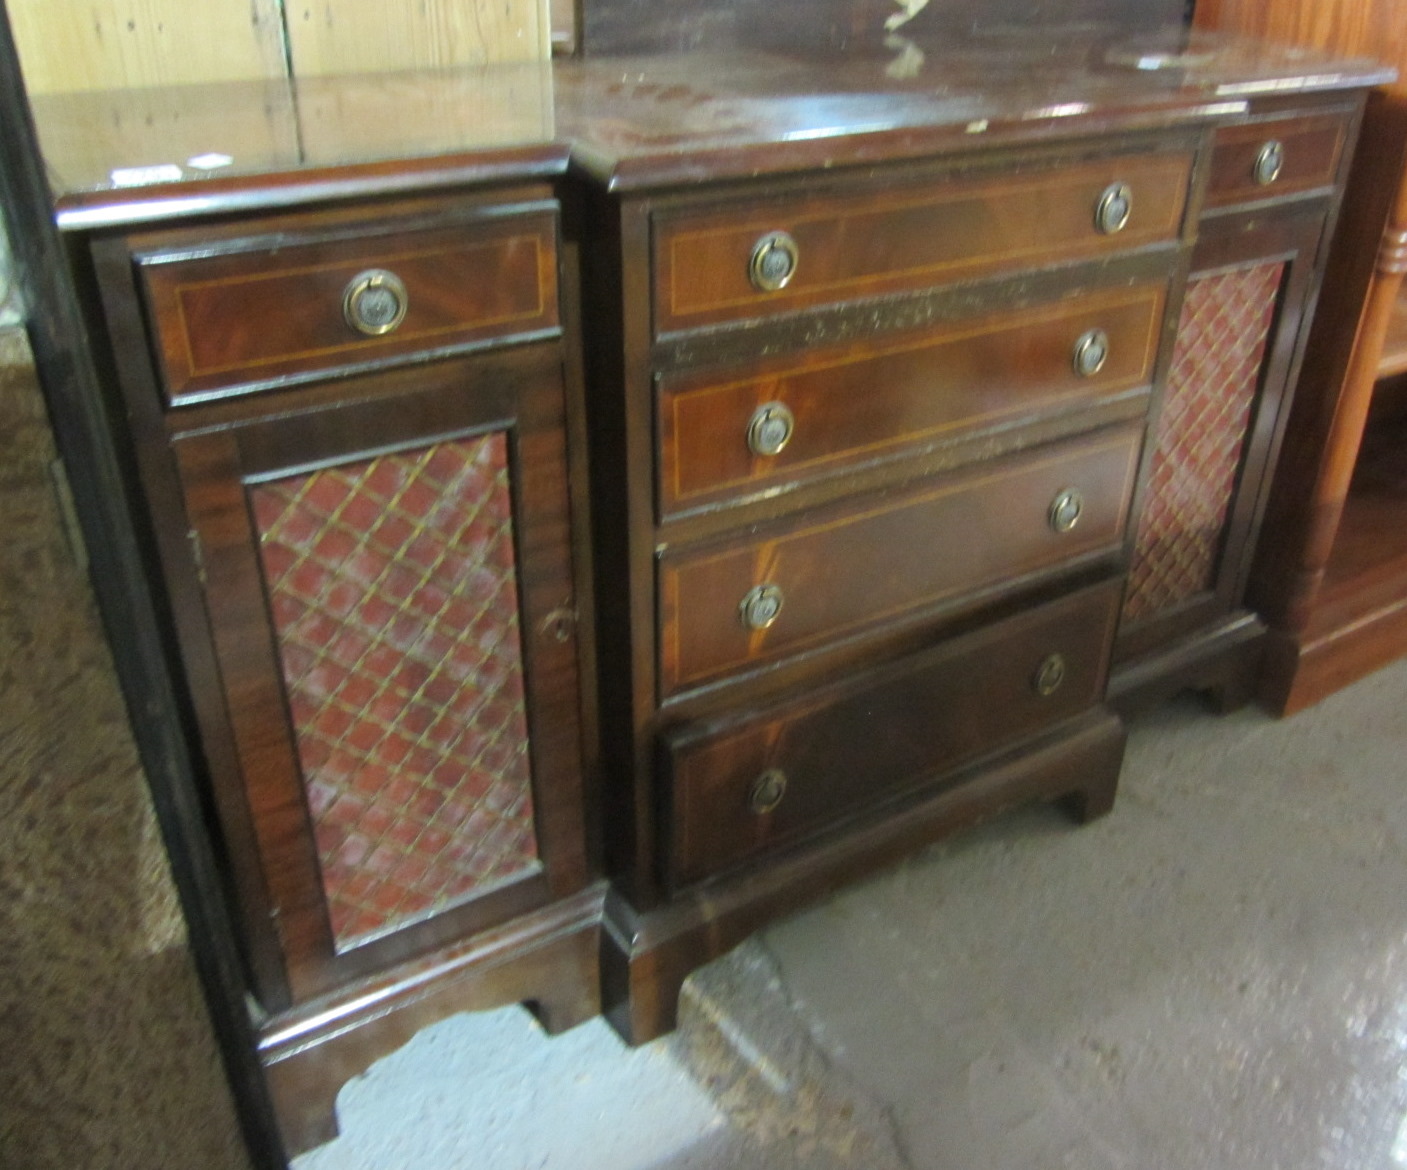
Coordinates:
637 120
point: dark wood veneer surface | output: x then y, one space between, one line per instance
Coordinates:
635 147
885 394
888 240
649 120
270 310
1312 150
853 746
878 560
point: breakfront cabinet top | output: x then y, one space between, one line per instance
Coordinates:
641 121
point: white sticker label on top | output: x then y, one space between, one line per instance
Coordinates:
141 176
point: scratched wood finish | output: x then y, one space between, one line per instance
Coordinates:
879 561
911 237
873 399
356 36
107 44
850 747
268 309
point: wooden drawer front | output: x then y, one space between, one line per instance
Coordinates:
1310 149
853 569
845 750
253 317
864 401
887 241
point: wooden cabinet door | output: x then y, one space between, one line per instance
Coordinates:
387 583
1222 415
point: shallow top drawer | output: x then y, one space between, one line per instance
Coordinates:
771 256
1265 160
274 307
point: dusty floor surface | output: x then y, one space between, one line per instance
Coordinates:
1213 976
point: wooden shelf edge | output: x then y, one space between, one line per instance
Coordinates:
1360 622
1394 354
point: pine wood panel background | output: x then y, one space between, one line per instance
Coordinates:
101 44
341 36
68 45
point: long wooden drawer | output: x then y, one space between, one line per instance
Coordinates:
1265 160
725 436
279 304
716 266
741 786
789 587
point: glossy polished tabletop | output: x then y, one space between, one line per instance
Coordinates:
135 155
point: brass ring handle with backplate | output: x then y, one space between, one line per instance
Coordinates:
760 606
767 791
773 263
770 429
375 302
1111 213
1091 352
1049 675
1269 162
1066 509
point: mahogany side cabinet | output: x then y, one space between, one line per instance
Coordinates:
605 506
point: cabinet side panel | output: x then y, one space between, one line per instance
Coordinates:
393 589
1221 340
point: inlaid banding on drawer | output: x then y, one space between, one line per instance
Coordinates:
748 785
254 317
860 402
1265 160
790 588
882 241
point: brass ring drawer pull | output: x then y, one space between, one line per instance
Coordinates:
1091 352
1066 509
773 264
770 429
375 302
1111 213
767 791
760 606
1049 675
1269 162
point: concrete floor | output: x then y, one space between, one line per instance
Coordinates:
1213 976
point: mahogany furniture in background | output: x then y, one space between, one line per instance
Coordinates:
864 384
1331 572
